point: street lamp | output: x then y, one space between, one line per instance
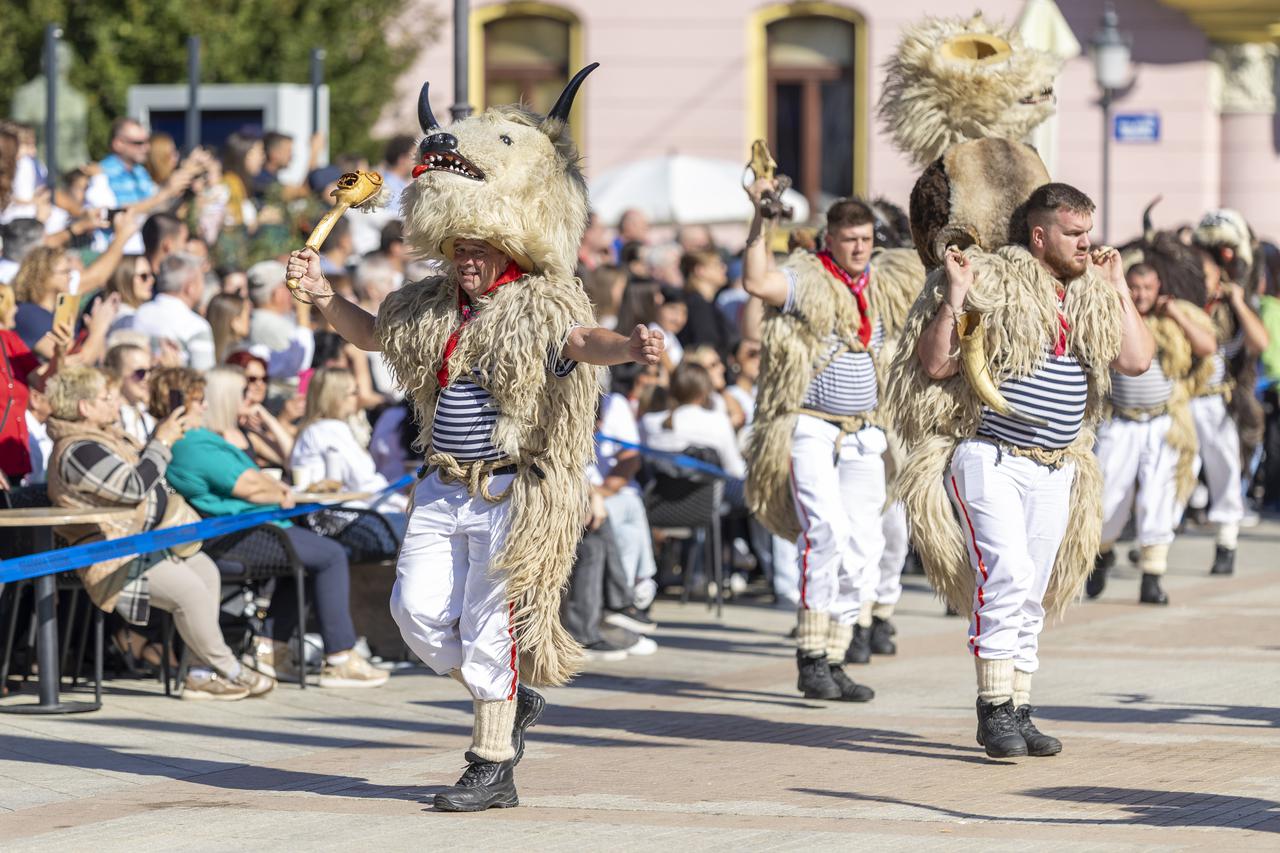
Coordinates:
1111 55
461 60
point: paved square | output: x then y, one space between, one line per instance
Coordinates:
1169 716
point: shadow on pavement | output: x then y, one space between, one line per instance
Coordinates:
1144 710
1146 807
701 727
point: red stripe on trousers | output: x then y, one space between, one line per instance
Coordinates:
982 566
804 560
511 632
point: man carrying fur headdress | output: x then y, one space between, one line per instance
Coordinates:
489 354
1148 444
998 379
1227 414
1002 502
816 470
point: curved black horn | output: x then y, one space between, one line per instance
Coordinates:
564 103
425 117
1148 229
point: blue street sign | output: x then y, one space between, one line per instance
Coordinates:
1137 127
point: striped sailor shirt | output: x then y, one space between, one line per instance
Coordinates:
466 415
1227 350
847 385
1149 390
1057 392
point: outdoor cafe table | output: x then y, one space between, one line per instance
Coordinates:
44 519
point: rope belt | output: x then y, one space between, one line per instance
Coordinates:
847 424
474 475
1223 388
1049 457
1142 416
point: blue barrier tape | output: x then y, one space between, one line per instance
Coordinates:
681 459
78 556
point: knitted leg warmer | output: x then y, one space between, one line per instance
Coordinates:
491 734
995 680
812 629
838 639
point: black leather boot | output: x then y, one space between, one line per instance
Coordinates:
1098 577
1151 592
849 691
815 680
881 641
860 646
484 785
998 730
529 707
1224 561
1038 743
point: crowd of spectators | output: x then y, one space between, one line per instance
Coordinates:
188 375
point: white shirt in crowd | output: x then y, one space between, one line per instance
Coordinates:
616 421
693 425
327 450
167 316
385 446
745 399
8 270
40 446
136 421
674 349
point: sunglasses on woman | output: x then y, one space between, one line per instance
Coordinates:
141 374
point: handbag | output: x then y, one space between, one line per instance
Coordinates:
178 512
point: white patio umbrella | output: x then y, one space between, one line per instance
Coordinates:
680 189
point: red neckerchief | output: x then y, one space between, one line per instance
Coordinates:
510 274
1060 349
857 287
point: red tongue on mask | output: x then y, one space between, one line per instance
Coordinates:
419 169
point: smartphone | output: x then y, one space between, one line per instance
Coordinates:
64 312
175 399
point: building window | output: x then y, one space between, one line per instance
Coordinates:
811 103
526 60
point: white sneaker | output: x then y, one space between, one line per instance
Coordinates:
643 647
602 651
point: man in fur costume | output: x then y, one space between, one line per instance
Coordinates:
487 352
998 379
816 472
1224 238
1147 445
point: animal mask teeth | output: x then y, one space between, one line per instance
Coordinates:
447 161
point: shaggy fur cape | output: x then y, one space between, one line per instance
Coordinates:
1187 372
1245 408
1018 301
795 347
542 419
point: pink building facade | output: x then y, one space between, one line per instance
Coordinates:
705 78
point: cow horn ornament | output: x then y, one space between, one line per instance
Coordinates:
973 361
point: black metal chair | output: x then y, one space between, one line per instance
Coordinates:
684 503
259 554
364 534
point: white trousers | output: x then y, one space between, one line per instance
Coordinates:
838 503
886 587
1138 469
1013 513
1220 458
452 611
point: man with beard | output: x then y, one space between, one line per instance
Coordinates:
1022 484
1147 447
